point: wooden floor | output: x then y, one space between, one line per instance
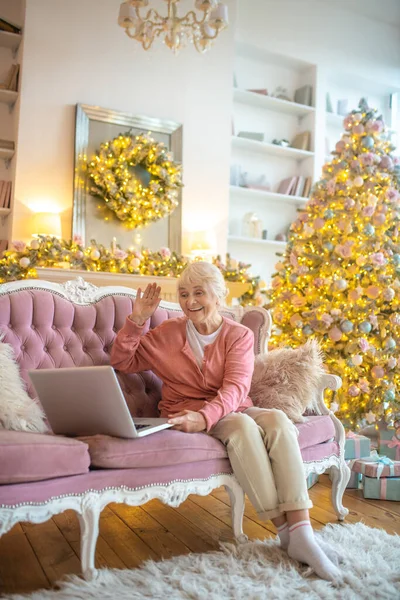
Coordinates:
37 556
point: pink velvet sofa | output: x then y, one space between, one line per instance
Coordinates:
52 325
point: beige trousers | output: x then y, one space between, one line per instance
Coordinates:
265 457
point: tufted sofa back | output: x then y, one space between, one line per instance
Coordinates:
50 326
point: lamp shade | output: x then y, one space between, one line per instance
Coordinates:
46 224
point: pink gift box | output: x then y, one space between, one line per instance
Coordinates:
377 466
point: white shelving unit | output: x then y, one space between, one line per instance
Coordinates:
271 103
10 53
263 196
274 149
262 163
247 240
8 97
275 118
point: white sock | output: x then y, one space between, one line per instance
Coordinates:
332 554
304 547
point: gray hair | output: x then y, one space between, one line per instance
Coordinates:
207 275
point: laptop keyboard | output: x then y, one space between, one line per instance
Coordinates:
142 426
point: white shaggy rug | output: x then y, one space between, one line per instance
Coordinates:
253 571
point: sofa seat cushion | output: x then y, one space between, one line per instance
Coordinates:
28 457
315 430
163 448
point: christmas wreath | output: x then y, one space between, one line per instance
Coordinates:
136 178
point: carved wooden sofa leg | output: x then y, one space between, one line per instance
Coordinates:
340 477
89 520
237 498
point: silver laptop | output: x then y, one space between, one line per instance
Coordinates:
88 401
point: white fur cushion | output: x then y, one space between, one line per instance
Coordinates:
288 379
17 410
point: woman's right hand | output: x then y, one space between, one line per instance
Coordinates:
146 304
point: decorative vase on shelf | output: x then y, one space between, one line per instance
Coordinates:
251 226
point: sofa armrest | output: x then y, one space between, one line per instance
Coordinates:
328 381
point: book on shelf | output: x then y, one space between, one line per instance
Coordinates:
13 85
287 185
262 91
302 141
5 194
7 145
3 246
8 26
299 188
9 80
307 187
304 95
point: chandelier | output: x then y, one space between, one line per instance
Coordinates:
175 30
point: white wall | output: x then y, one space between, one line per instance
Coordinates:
326 32
75 52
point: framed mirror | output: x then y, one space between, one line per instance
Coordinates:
94 126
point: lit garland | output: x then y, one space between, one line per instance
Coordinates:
119 173
20 262
339 279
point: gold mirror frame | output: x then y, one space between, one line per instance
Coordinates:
86 113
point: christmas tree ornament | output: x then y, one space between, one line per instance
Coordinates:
377 372
24 262
95 254
346 326
357 360
365 327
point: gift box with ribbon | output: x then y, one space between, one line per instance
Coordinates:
385 488
377 466
312 479
389 442
356 446
355 478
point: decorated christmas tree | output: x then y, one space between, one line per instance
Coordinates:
339 280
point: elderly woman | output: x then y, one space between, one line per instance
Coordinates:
205 362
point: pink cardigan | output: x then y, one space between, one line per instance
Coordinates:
221 387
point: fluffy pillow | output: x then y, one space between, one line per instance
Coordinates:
17 410
288 379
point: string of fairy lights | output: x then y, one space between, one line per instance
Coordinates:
339 279
21 262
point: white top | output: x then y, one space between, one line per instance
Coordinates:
198 342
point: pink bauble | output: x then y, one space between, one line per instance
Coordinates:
79 254
335 334
319 223
377 372
357 360
357 117
372 292
379 219
354 295
340 146
358 181
386 163
295 321
354 391
358 129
